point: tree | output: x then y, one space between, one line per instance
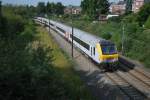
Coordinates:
49 8
25 71
59 8
2 22
0 8
84 6
94 8
53 8
144 14
102 6
41 9
147 23
128 5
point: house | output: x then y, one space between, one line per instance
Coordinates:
102 18
118 8
67 10
136 5
72 10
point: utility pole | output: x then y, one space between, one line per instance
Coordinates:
49 26
123 39
72 28
48 18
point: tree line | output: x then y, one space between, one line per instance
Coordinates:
94 8
50 8
91 8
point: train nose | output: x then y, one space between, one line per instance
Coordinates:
109 58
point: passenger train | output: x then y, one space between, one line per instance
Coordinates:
96 48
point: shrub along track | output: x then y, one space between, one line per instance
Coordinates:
131 89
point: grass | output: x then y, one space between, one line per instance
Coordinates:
59 59
64 65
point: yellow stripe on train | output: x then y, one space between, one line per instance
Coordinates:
107 57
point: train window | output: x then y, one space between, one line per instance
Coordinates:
70 35
94 50
85 45
51 24
60 29
108 49
91 51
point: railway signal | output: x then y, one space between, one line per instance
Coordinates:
72 29
72 41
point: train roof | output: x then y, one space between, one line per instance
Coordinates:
89 38
85 36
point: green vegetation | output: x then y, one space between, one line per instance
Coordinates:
32 67
144 14
128 5
50 8
64 66
137 32
147 23
93 8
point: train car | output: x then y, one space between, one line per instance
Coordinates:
96 48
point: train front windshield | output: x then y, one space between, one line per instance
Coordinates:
109 49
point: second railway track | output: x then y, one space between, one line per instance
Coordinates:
129 90
141 76
137 77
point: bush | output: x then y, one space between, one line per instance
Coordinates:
144 14
31 77
106 36
86 18
147 23
131 18
115 19
15 24
45 77
131 29
26 73
2 26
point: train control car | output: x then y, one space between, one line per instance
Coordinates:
96 48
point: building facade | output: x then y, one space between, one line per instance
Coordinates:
118 8
72 10
136 5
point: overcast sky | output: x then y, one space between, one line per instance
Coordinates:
34 2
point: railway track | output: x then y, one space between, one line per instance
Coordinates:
138 75
126 65
135 83
129 90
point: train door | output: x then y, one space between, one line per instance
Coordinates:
93 52
67 35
